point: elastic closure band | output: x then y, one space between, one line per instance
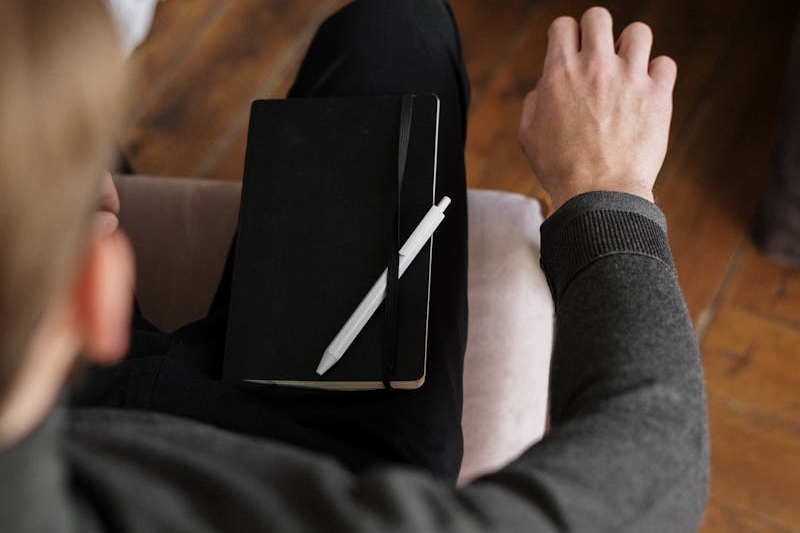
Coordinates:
391 337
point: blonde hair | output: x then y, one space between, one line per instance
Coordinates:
61 76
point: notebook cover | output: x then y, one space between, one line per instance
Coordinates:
316 213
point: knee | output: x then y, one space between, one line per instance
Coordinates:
418 22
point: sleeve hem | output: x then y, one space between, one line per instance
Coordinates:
599 224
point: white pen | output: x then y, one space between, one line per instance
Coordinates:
377 293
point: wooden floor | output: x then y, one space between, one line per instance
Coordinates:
207 59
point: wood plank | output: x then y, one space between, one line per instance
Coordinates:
694 34
767 288
754 361
177 26
710 188
724 519
755 463
488 34
209 97
493 157
229 166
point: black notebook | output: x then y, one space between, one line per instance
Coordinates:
318 211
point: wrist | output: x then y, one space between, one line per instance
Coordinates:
559 198
598 224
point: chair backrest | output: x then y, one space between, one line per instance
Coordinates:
181 230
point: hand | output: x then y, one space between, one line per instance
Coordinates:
106 220
599 116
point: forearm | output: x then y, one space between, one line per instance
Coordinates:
628 449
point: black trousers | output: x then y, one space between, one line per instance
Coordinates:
371 47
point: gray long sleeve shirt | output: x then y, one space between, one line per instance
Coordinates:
627 450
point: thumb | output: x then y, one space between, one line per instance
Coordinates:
526 120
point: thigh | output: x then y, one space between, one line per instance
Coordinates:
377 47
374 47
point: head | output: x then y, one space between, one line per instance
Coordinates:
60 95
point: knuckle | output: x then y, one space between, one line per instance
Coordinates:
599 71
558 70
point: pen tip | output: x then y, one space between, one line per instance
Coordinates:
327 361
444 202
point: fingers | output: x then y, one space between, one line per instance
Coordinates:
663 70
597 31
563 38
634 45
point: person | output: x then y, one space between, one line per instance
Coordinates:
627 448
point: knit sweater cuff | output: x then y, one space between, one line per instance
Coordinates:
599 224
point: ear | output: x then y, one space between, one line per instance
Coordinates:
103 298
